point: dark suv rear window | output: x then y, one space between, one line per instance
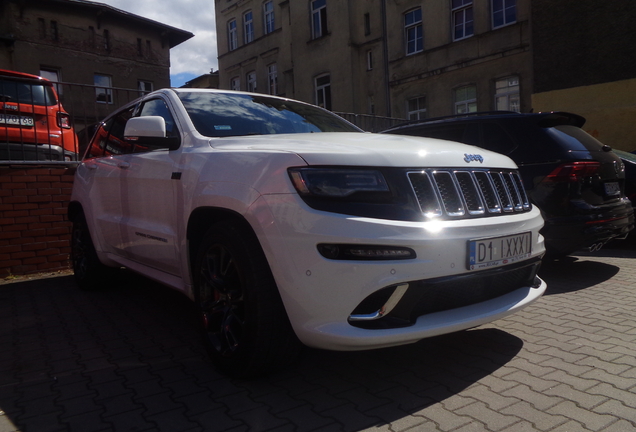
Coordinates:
26 92
573 138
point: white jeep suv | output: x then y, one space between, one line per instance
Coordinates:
287 224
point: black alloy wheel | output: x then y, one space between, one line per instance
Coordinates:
246 329
221 300
89 272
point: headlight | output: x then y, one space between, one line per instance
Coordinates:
336 182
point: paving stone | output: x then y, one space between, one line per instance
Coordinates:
590 419
351 418
492 419
444 419
217 421
494 401
539 418
304 416
584 399
617 409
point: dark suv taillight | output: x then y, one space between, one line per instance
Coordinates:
574 171
63 120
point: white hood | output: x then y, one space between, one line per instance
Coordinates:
365 149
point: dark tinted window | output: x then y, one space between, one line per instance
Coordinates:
26 92
109 138
467 133
496 139
574 138
224 114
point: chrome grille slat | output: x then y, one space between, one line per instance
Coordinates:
467 193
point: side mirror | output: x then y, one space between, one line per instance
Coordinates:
150 131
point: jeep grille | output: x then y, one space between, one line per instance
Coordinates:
464 193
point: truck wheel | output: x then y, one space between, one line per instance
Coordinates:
246 328
89 272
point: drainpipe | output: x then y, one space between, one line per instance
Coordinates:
385 49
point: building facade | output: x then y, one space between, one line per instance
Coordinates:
90 48
404 59
415 59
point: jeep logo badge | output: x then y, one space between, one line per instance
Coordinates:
473 157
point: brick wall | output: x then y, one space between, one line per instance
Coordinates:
34 230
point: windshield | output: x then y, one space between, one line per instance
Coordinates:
25 92
227 114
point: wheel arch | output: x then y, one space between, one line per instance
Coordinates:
74 209
200 221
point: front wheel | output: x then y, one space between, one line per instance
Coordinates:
246 328
89 272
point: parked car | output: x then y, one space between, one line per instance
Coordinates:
576 181
34 126
629 161
285 223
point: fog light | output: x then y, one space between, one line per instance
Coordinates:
365 252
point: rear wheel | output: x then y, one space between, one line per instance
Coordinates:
89 272
245 324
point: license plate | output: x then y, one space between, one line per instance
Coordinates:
16 120
498 251
612 188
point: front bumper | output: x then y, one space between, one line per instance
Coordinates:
321 295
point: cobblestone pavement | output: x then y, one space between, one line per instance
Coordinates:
128 359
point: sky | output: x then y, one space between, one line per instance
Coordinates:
193 57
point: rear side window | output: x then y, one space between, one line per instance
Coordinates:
489 136
467 133
26 92
573 138
496 139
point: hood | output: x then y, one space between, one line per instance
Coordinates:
366 149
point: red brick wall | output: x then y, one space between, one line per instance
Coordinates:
34 230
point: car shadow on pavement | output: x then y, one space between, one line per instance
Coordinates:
129 358
575 273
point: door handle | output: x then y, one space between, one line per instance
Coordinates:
123 165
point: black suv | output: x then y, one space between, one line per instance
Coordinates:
576 181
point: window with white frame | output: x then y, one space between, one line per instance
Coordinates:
504 12
248 27
507 94
463 25
52 75
416 108
272 79
268 16
103 88
323 91
144 87
232 35
318 18
235 83
466 100
413 33
251 82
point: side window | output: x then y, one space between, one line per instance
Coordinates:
109 138
496 139
157 107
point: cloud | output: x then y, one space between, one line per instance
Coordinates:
195 56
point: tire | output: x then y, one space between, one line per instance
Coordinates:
90 274
246 329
